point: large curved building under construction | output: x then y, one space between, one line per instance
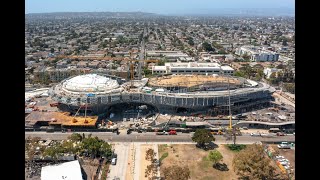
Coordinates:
166 94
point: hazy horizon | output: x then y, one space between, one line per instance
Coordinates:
163 7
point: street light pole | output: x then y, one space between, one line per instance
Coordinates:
230 116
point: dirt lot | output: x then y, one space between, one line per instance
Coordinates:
129 171
288 154
143 161
200 167
189 81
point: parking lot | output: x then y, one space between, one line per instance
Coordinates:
285 159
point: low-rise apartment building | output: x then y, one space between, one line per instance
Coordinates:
192 68
258 54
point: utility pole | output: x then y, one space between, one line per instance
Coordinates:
85 112
230 115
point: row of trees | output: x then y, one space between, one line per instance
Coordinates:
76 144
250 73
252 163
284 76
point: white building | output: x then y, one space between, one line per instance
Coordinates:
170 55
192 68
268 71
65 171
258 54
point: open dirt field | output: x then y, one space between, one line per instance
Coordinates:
189 81
195 159
130 167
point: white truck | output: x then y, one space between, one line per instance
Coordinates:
284 145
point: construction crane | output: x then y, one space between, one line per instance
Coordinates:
132 67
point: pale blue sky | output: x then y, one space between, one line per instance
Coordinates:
152 6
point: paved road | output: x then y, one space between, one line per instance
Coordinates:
151 137
119 170
141 55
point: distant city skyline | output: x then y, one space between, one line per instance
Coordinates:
165 7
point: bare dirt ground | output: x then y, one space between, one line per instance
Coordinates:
129 171
195 159
143 162
189 81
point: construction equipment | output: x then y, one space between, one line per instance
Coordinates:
132 67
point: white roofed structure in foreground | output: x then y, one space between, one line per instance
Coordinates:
90 83
65 171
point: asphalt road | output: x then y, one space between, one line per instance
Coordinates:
151 137
119 170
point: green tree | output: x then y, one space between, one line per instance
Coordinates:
96 146
207 47
239 74
202 136
147 72
75 137
190 41
252 163
161 62
54 151
52 50
175 172
215 156
150 154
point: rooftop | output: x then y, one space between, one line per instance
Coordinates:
65 171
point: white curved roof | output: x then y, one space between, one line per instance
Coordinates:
90 83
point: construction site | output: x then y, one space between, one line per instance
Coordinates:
151 101
172 94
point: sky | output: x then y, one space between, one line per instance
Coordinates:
151 6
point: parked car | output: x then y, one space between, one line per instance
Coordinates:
280 134
114 161
284 146
173 132
255 134
162 133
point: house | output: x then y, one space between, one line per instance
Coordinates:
82 64
94 64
